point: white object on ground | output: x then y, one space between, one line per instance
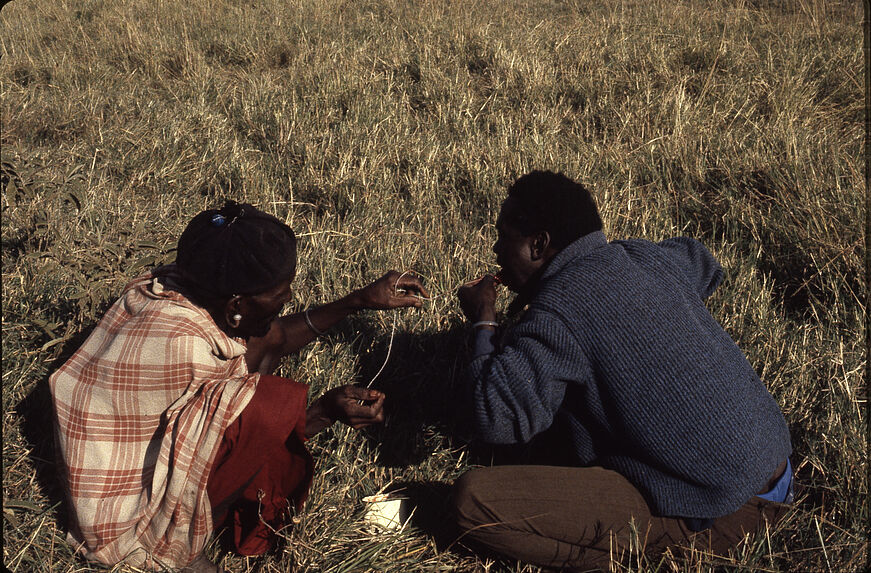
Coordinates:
389 511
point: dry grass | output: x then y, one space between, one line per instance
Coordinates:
385 133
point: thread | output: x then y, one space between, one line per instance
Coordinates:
392 333
389 348
497 280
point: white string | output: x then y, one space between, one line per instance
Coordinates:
393 329
389 348
392 334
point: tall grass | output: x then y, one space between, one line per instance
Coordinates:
385 133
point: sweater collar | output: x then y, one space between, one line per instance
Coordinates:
575 250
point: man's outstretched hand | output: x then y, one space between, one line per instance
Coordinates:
351 405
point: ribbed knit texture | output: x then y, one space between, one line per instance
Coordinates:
618 341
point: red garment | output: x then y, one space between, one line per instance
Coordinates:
262 470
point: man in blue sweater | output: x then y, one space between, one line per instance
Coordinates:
671 433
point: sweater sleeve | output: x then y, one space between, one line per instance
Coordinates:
517 390
697 263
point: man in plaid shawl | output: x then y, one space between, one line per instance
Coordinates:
170 424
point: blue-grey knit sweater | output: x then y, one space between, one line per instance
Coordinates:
617 339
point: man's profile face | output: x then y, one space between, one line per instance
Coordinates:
261 309
513 250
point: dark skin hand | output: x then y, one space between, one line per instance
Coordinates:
478 299
352 405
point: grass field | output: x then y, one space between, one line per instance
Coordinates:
385 133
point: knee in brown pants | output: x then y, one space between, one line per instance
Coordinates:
579 518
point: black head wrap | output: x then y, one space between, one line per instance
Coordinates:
237 249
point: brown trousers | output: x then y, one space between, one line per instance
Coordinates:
581 518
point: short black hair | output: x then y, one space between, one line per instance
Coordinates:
548 201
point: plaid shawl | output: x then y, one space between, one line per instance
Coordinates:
141 408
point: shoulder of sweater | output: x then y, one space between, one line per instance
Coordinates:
580 264
582 267
594 273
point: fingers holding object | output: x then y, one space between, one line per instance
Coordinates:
488 278
362 406
363 394
409 284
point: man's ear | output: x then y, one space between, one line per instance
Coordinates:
539 245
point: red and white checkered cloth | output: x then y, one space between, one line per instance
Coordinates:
141 408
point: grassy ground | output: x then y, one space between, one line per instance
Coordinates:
384 133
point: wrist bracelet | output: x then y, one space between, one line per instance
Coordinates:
485 323
308 321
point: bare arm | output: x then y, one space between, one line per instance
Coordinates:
289 334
